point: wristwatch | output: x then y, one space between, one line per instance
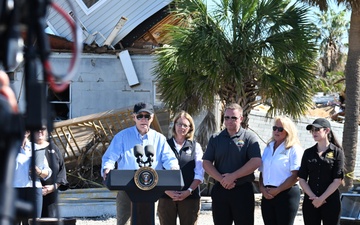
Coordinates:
190 189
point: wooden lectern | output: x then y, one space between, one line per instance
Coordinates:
144 187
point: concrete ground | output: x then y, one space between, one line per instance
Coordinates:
205 217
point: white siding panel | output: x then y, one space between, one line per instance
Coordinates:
104 18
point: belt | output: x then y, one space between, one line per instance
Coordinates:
270 186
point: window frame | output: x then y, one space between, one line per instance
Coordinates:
87 10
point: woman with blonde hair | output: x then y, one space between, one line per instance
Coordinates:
184 203
281 161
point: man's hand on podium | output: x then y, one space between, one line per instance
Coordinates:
105 173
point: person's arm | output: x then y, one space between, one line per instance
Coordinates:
318 201
61 178
111 155
181 195
44 173
211 170
338 174
303 175
262 189
306 188
168 158
199 169
288 183
249 167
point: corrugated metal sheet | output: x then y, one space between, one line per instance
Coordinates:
103 20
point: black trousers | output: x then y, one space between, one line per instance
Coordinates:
328 213
50 206
236 205
282 209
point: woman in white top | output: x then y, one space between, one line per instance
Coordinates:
281 161
23 179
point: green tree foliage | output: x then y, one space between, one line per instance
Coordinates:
238 51
332 83
332 28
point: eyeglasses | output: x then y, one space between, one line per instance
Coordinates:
182 125
280 129
140 116
233 118
315 129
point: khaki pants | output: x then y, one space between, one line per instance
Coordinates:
123 208
188 211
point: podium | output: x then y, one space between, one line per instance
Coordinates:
144 186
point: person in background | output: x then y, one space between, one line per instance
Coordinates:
231 158
121 150
184 203
23 179
281 161
320 175
7 92
57 180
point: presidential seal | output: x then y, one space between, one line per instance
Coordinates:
146 178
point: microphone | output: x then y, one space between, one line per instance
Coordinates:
149 152
139 152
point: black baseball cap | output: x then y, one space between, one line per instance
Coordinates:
143 107
320 123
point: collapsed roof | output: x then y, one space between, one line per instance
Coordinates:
114 24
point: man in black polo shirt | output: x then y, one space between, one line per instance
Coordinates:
231 158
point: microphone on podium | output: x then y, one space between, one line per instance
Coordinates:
149 152
139 152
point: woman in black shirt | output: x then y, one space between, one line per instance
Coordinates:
321 173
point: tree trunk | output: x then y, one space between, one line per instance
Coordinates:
352 104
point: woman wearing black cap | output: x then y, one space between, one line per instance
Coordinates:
320 175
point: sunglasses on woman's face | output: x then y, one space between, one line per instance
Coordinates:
280 129
315 129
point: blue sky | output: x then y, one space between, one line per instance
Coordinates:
333 5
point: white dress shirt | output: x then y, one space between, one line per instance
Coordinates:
277 165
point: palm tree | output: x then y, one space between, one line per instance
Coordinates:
352 82
332 27
332 83
239 51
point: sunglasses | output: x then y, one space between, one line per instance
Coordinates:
315 129
280 129
140 116
233 118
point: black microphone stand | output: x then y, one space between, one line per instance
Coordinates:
12 127
11 131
